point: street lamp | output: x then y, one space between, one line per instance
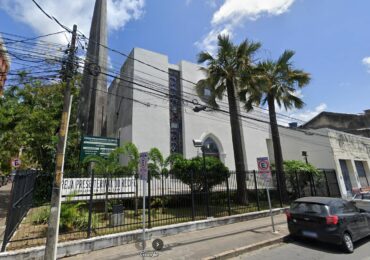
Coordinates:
197 109
304 154
199 144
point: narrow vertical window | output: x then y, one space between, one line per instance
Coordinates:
175 112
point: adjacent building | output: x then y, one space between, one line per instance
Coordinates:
358 124
4 65
152 106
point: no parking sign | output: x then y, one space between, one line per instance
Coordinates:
264 168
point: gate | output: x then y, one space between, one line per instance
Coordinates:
20 202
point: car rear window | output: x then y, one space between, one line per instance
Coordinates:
308 208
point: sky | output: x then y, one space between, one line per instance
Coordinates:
330 37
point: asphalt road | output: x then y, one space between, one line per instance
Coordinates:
305 249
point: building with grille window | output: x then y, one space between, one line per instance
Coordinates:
151 103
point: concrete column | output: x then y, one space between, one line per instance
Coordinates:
353 173
93 96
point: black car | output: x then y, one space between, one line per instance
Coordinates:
331 220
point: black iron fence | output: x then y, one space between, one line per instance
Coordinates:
115 203
20 202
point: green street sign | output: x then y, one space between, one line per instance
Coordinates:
96 145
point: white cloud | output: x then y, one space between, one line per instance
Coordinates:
232 13
209 42
70 12
309 114
366 62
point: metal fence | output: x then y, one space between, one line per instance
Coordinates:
115 203
20 202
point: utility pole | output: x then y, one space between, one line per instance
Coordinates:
53 227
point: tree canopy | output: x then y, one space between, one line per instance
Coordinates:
30 113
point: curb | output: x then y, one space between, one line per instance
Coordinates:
245 249
76 247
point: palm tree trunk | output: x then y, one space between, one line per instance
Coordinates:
238 144
277 148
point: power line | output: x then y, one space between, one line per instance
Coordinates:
52 17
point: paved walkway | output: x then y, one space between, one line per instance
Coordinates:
200 244
4 202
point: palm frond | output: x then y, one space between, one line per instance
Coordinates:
204 56
284 59
302 78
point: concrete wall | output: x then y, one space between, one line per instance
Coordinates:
350 148
151 123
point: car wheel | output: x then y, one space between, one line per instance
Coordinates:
347 243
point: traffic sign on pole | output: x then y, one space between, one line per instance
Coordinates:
264 171
143 166
16 162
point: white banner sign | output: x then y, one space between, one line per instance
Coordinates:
81 186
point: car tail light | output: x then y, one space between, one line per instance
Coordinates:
332 220
288 215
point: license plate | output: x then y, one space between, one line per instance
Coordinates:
309 234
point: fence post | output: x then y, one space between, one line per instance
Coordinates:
149 198
313 184
297 182
256 190
310 180
228 195
207 194
279 190
327 184
192 196
90 203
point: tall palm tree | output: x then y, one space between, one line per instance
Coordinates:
275 82
224 71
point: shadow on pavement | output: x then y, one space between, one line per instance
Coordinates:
324 247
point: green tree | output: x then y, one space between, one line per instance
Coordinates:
223 74
106 167
275 82
216 172
30 113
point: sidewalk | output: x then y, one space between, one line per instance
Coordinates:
200 244
4 203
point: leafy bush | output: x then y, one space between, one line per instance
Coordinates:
304 172
293 166
41 216
216 172
70 215
158 202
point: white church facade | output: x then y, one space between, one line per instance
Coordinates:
151 104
